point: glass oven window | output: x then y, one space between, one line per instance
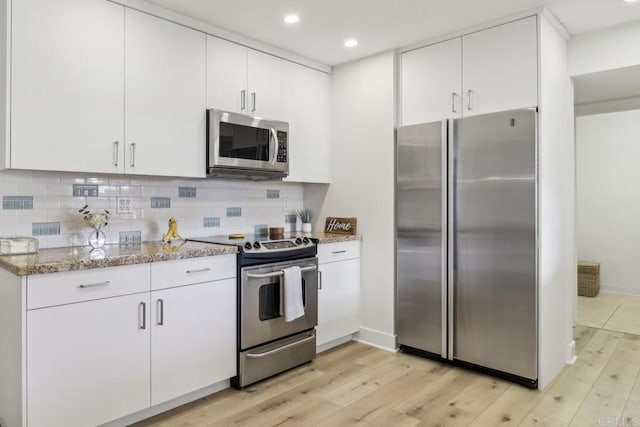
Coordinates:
269 300
244 142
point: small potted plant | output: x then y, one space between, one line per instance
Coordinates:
96 220
305 215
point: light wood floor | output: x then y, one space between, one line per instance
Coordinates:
359 385
610 311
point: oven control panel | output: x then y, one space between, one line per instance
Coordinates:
277 245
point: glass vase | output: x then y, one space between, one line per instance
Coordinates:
97 239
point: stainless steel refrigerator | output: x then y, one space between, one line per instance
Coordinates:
466 245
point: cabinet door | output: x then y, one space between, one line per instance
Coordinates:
265 85
306 106
338 300
226 75
500 70
193 338
431 81
88 363
165 89
67 89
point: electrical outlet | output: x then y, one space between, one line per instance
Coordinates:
124 205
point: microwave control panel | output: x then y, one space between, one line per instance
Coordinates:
282 147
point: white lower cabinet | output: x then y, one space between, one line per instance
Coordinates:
193 338
106 343
88 363
339 293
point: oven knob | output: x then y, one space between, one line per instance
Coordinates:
305 240
256 245
298 241
247 245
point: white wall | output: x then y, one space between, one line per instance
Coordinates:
606 49
362 179
608 197
557 211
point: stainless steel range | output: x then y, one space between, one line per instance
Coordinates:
267 344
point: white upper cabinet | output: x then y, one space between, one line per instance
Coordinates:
431 83
482 72
306 106
165 102
500 70
226 75
67 78
264 85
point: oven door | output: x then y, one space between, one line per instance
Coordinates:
261 302
244 142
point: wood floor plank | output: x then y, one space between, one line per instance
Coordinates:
375 405
479 395
510 408
562 400
608 397
540 420
366 384
582 335
310 413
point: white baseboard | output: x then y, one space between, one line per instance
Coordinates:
377 339
571 353
166 406
622 290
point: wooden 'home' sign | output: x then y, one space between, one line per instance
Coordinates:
340 225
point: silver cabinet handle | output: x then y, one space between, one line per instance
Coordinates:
253 102
133 154
469 92
94 285
275 350
453 102
116 153
202 270
160 309
243 100
319 279
278 273
339 252
142 315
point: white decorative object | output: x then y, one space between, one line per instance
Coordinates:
97 220
306 227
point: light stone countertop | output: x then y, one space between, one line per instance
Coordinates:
83 258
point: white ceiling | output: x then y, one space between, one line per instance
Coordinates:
380 25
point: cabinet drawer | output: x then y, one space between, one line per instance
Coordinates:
74 286
339 251
168 274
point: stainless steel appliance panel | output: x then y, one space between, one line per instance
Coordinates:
267 360
238 144
420 252
261 302
494 242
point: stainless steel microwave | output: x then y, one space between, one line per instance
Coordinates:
240 146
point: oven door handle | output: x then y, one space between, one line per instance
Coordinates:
275 350
279 273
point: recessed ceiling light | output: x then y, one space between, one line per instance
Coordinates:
291 19
351 43
629 1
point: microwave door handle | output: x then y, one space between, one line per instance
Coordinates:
273 145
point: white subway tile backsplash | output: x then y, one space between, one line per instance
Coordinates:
205 214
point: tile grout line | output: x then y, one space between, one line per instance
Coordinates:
612 314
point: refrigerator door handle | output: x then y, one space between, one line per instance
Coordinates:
451 220
444 254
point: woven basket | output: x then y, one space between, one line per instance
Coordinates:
588 278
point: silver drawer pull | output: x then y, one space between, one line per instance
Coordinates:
275 350
202 270
94 285
339 252
278 273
